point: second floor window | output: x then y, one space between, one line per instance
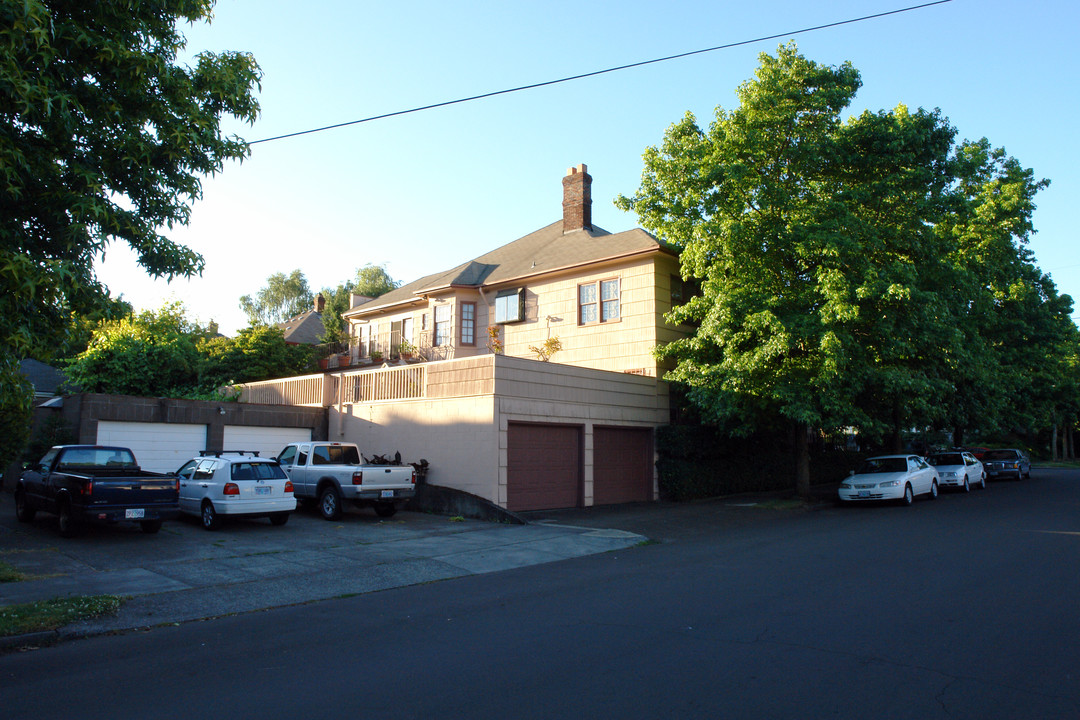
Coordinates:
598 302
442 325
468 323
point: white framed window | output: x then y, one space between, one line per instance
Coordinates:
442 325
599 302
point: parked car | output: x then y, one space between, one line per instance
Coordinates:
958 469
1009 463
217 485
890 477
84 483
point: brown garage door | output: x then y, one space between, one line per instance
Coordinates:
543 466
622 465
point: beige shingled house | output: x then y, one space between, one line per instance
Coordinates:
491 418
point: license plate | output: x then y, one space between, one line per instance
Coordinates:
387 494
864 493
262 491
134 513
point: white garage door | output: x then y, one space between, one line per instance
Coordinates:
267 440
161 447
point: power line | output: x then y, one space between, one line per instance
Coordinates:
601 72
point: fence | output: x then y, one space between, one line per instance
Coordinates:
308 390
396 383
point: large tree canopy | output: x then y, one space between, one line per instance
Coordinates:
371 281
838 259
103 137
283 297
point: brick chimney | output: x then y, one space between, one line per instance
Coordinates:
577 200
320 303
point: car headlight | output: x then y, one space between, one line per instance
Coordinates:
890 483
845 486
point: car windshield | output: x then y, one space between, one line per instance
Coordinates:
1000 455
883 465
946 459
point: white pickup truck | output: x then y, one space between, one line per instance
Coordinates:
331 472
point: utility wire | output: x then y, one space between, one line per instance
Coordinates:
601 72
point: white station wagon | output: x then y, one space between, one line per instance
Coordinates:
231 484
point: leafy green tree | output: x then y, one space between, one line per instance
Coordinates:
256 353
829 276
103 137
283 297
154 353
371 281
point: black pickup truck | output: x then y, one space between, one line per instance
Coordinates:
82 483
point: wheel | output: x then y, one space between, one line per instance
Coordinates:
385 509
967 485
1027 475
210 518
330 503
279 518
23 511
69 524
150 526
909 496
982 482
934 489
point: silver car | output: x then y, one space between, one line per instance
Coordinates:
958 469
231 484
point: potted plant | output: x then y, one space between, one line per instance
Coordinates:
406 350
376 356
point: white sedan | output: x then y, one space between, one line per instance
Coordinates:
890 477
958 469
234 484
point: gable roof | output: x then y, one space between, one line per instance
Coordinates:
45 378
545 251
303 329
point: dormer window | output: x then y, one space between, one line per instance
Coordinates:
510 306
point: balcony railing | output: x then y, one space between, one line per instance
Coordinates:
396 383
308 390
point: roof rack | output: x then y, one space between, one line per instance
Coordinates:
219 453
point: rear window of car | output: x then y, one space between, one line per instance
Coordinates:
946 459
257 471
1000 455
335 455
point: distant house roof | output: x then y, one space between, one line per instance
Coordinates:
307 327
46 379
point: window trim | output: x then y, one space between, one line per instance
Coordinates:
599 303
520 307
462 335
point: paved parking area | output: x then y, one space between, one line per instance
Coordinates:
186 573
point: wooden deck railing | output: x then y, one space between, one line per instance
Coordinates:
395 383
308 390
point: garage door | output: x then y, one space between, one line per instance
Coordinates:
161 447
268 441
622 465
543 466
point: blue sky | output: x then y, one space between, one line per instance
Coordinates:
423 192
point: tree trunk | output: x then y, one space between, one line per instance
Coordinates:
1053 442
802 460
1072 448
958 437
897 440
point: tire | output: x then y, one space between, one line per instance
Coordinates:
1027 475
68 523
909 496
330 503
279 519
967 485
385 510
210 518
150 527
23 511
934 488
982 482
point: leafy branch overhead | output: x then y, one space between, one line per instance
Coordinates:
104 137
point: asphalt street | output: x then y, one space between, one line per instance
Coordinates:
963 607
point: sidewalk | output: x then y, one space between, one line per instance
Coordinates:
186 573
